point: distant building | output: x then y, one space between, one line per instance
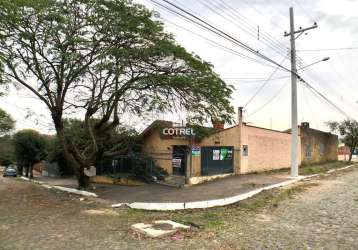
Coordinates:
317 146
344 152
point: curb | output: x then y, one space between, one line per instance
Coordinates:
64 189
158 206
75 191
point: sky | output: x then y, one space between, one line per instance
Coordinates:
259 24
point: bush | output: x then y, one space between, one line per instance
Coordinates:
56 155
146 170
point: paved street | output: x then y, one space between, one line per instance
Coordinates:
320 214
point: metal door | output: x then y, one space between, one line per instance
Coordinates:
217 160
179 159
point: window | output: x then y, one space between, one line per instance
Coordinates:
322 149
308 151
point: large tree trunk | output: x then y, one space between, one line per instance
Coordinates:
27 170
72 157
350 156
20 169
83 180
31 171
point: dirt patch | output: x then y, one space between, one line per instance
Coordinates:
109 212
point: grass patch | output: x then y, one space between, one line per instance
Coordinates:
272 198
316 168
219 218
322 168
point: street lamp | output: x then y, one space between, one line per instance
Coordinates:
322 60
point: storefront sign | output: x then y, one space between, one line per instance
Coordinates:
222 154
216 154
176 162
178 131
195 151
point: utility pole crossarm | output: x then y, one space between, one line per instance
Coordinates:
302 30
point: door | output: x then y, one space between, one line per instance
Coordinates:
217 160
179 159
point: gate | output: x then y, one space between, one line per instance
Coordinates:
217 160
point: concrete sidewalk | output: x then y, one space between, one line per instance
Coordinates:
69 182
217 189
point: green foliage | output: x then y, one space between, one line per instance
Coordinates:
348 130
114 39
141 172
56 155
104 59
7 154
202 132
30 147
6 122
119 141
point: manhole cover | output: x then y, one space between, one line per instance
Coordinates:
162 226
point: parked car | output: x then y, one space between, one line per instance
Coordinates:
10 171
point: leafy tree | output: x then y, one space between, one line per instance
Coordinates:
6 150
6 122
348 129
102 59
120 141
30 148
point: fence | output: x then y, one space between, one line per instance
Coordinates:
125 164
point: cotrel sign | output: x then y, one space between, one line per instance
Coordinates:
178 131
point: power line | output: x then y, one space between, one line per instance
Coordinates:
334 90
218 32
199 21
220 46
315 91
327 49
254 79
236 19
263 85
270 100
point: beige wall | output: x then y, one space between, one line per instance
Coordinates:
322 146
158 147
161 149
267 149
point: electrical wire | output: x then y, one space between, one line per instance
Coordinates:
270 100
199 21
315 91
218 32
218 45
237 20
327 49
264 84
